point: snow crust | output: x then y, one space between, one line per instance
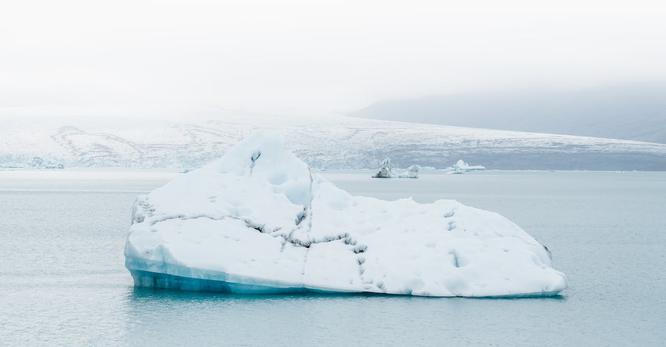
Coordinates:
259 221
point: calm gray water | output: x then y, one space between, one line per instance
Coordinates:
62 280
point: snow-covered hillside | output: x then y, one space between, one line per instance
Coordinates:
328 143
631 111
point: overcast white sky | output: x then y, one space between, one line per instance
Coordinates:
311 57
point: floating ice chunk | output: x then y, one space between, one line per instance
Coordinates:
412 172
385 170
258 221
461 167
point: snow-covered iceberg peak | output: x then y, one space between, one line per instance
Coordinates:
262 159
258 221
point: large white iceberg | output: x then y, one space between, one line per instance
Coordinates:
259 221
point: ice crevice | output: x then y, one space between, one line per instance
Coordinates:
253 159
258 220
261 227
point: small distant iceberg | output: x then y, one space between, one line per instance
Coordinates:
387 171
258 220
412 172
461 167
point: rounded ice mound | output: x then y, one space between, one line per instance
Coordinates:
258 221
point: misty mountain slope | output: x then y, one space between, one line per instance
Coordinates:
634 112
328 143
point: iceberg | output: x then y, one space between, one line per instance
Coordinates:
461 167
412 172
258 220
387 171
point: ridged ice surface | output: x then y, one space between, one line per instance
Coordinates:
259 221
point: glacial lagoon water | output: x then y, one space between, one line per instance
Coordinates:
62 279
